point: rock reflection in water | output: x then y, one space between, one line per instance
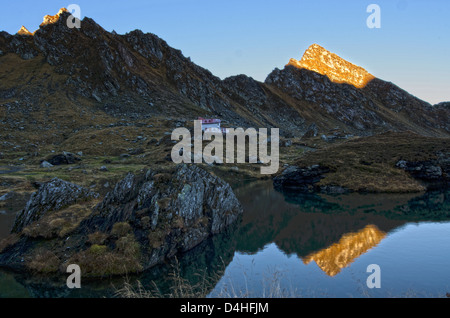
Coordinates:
209 259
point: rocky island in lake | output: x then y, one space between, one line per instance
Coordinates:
145 220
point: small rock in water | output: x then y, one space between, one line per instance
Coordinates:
103 169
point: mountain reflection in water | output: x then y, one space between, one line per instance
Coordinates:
352 245
305 224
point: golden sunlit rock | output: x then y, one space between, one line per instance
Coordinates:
50 19
338 70
24 31
339 255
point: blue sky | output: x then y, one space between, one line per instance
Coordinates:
252 37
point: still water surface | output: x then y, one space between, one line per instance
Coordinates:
301 246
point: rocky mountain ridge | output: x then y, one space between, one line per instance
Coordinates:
139 75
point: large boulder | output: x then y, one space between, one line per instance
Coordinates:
146 219
190 205
301 179
66 158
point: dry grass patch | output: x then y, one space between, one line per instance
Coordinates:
58 224
97 238
10 240
43 261
368 164
121 229
101 261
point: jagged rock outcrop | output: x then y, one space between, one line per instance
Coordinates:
441 114
300 179
66 158
146 219
24 31
200 203
50 19
430 171
51 196
18 44
371 164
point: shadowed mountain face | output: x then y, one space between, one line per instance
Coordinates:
378 107
60 71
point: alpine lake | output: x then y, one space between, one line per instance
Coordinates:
293 245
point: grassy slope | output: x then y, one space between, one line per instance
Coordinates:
368 164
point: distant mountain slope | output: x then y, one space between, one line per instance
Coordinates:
57 72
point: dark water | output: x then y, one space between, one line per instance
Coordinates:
301 246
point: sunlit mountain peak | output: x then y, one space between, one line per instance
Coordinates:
338 70
50 19
24 31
